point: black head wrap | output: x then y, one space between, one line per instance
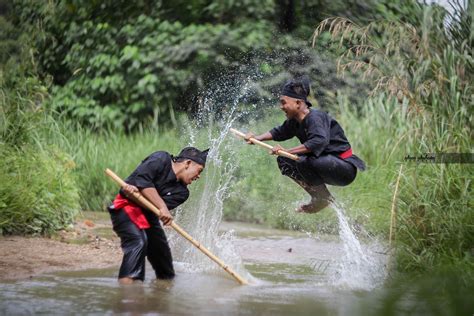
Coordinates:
193 154
298 89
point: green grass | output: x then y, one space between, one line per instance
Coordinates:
121 153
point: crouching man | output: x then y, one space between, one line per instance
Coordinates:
325 154
162 179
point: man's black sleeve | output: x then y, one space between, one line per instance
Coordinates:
150 169
283 132
318 132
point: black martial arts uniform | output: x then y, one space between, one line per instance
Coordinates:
330 161
139 229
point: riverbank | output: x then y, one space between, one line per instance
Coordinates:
89 243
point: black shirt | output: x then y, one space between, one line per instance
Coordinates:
318 131
155 171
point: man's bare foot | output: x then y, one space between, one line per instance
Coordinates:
320 197
314 206
127 281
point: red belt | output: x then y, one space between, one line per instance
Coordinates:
346 154
133 211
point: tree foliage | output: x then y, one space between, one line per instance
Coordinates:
114 63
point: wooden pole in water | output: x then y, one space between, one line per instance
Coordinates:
393 211
144 202
260 143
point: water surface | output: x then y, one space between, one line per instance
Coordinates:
290 272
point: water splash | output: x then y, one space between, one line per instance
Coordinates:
360 267
202 213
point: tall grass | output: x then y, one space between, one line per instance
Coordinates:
114 149
422 103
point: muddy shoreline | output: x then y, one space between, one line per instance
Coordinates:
89 243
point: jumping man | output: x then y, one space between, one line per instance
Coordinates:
162 179
325 155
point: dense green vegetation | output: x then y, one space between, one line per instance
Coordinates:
121 65
38 192
88 84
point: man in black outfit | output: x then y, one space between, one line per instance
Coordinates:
325 155
162 179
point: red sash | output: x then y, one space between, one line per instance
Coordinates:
133 211
346 154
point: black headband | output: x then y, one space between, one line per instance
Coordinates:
194 154
297 89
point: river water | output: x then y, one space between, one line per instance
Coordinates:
289 272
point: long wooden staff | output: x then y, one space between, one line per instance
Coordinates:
260 143
177 228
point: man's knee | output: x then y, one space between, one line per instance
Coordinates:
142 243
281 161
327 169
136 243
306 167
286 165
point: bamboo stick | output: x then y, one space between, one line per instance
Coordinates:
393 211
177 228
260 143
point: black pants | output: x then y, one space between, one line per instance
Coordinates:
140 243
313 170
